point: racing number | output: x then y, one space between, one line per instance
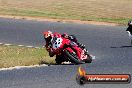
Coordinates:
57 43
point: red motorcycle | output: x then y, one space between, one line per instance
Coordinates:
69 51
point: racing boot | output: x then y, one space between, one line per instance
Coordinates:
86 51
81 45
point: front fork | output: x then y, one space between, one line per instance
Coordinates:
75 50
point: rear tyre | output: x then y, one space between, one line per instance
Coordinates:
73 58
89 59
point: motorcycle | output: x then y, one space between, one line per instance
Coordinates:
68 51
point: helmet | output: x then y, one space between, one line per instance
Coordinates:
130 23
48 35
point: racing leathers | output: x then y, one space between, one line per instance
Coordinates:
74 39
129 31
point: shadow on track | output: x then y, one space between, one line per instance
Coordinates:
59 64
123 47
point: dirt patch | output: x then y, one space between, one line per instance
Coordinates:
58 20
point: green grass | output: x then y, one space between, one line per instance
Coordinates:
115 11
11 56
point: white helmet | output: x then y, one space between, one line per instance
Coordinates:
130 23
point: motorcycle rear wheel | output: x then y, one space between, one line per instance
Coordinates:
89 59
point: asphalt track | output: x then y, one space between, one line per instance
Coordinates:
110 45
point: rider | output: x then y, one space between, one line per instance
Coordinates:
48 35
129 30
74 39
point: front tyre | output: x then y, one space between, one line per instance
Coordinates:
72 57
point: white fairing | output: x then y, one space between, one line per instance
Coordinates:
57 43
83 56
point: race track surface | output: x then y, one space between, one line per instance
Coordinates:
110 45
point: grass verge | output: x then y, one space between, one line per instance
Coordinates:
31 13
11 56
113 11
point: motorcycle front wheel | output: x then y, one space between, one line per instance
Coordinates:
73 57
